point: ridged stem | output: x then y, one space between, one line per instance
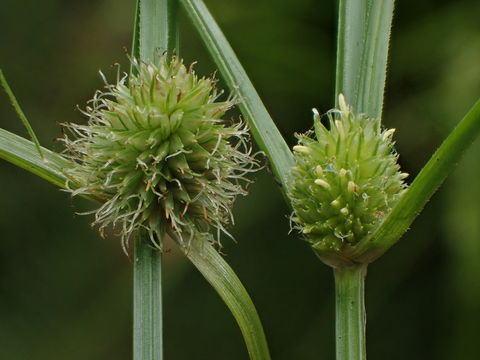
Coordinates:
350 312
155 31
147 302
362 51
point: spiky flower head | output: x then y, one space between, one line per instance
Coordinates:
346 179
158 155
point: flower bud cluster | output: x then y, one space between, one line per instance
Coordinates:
158 155
346 179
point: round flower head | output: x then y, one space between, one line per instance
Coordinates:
158 155
345 181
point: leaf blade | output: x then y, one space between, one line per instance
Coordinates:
23 153
20 113
224 280
156 31
263 128
362 52
423 187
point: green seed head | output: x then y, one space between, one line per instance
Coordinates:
157 154
345 181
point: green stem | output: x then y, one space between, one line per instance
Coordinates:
147 302
155 31
224 280
362 51
350 312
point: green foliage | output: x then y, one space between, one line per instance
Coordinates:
155 29
362 50
224 280
424 186
433 61
25 154
263 128
20 113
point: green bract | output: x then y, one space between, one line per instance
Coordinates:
345 181
158 155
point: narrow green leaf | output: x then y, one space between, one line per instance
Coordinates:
20 113
173 44
24 153
205 258
155 28
263 128
222 278
423 187
362 51
136 35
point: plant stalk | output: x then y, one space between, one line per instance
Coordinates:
155 31
362 51
147 301
350 312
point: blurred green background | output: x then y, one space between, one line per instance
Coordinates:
65 293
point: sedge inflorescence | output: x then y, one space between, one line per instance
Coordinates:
158 155
346 179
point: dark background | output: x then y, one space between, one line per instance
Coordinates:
65 293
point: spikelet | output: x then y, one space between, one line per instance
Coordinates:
346 179
158 155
